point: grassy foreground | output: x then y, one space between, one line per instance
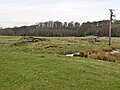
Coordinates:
44 66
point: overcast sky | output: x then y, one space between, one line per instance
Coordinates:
27 12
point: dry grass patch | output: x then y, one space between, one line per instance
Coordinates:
108 49
103 54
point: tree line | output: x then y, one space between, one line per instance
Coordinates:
57 28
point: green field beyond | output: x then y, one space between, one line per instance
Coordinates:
44 66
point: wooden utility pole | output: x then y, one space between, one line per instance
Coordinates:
110 25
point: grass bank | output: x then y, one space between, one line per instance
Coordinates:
43 66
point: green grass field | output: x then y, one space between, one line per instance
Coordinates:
44 66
